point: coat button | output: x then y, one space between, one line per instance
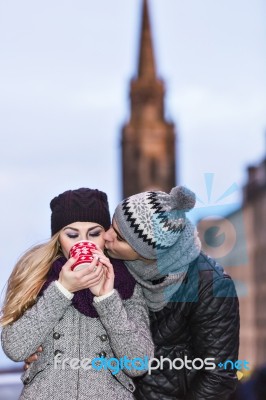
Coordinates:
27 380
103 338
56 335
102 354
58 352
131 387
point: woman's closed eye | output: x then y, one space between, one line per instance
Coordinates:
72 235
95 232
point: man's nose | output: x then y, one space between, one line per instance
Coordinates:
109 234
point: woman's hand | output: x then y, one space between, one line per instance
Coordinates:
82 279
106 284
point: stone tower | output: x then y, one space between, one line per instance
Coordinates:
148 140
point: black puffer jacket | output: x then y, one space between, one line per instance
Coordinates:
202 321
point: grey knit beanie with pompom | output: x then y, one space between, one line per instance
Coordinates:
152 222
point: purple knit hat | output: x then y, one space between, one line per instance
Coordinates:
81 205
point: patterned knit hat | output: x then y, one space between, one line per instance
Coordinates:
83 205
151 222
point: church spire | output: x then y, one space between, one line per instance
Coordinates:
146 67
148 139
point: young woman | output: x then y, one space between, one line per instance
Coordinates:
82 319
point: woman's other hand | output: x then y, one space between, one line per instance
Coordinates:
106 284
83 279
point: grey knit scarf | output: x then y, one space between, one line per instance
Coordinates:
172 264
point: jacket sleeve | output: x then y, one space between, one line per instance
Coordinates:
22 338
215 334
127 325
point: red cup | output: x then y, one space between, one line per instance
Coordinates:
83 250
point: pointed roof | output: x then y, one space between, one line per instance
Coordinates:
146 68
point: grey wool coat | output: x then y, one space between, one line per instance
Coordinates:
64 333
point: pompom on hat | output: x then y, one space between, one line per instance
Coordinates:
151 222
80 205
181 198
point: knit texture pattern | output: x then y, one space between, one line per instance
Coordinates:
83 299
121 329
151 222
80 205
172 264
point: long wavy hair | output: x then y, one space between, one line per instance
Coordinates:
27 279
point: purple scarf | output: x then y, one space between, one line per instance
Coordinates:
82 300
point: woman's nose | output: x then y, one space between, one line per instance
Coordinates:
83 237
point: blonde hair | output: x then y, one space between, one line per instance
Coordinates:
27 279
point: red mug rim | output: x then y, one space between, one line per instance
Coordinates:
81 241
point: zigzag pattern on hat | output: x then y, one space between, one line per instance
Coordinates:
162 216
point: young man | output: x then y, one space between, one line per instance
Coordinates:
193 305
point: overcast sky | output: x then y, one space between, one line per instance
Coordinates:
65 68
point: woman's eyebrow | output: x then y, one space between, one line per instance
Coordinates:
70 227
77 230
93 227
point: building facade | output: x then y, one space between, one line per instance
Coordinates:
245 232
253 331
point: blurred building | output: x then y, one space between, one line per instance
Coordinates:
254 305
148 140
243 254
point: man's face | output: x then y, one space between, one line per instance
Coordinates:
116 245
